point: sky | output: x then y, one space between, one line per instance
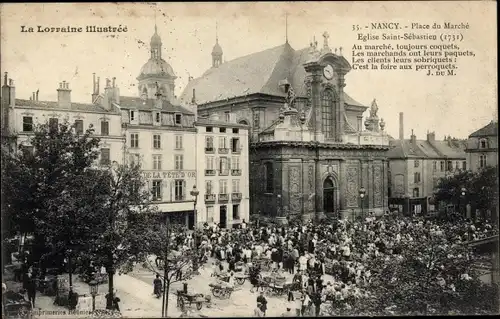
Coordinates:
455 106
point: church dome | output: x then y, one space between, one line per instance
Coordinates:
217 50
156 67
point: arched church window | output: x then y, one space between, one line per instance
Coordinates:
327 112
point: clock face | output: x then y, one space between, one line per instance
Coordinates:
328 72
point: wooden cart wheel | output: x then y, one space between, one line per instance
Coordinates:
216 292
181 303
199 305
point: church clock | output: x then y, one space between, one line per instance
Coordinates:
328 72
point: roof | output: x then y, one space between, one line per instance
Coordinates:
489 130
84 107
209 122
258 72
426 149
132 102
157 67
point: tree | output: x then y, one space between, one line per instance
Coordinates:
41 187
432 276
122 201
176 265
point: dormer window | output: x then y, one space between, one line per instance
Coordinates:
483 143
157 118
133 115
178 119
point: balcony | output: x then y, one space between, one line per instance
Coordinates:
224 172
209 198
235 197
223 150
236 150
210 172
209 150
223 198
236 172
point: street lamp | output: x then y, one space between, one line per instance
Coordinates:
195 192
94 288
362 192
463 192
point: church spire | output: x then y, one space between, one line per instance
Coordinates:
217 50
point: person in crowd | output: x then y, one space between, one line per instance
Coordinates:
257 312
261 299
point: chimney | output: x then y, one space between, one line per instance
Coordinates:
34 99
64 95
5 79
413 138
6 93
193 100
37 91
108 96
98 84
401 127
431 137
93 83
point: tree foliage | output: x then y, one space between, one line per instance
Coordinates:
481 189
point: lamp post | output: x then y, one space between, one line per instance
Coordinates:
94 288
362 192
463 192
195 192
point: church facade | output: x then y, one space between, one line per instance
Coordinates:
310 153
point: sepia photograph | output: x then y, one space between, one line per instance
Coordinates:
249 159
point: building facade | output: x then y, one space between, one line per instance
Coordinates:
309 153
222 170
482 147
20 116
416 166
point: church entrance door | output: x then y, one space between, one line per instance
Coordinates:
329 195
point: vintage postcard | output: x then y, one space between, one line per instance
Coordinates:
249 159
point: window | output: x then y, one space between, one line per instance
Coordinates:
223 186
236 131
134 159
178 119
235 145
104 128
222 130
157 162
360 123
27 124
450 165
416 192
416 163
54 123
327 113
236 186
157 117
105 156
416 177
441 164
222 142
209 143
79 126
132 116
235 162
256 120
180 188
179 162
210 162
236 211
464 165
156 141
134 140
482 161
157 190
208 129
434 165
269 176
483 143
223 166
457 165
228 116
178 142
209 187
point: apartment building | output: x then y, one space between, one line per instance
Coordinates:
482 147
223 171
19 117
415 167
